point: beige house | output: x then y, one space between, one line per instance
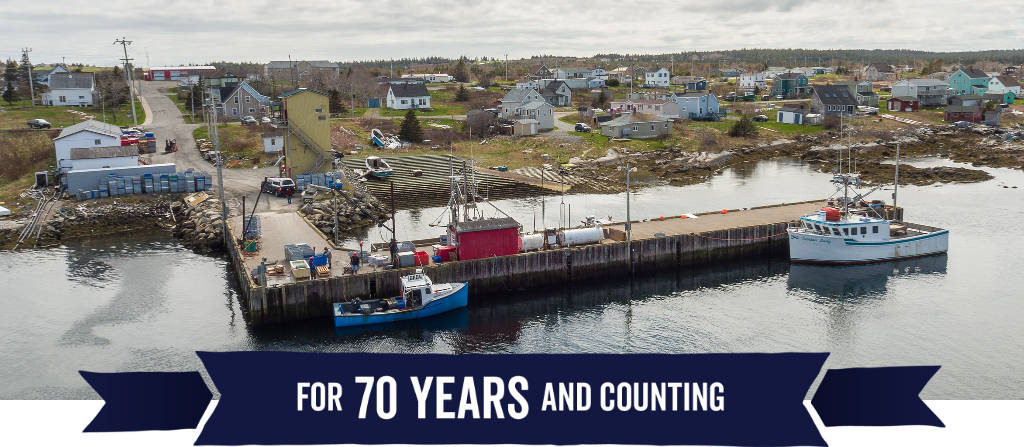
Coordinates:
296 70
640 125
307 143
246 101
661 107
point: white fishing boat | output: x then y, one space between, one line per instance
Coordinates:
386 141
854 231
377 167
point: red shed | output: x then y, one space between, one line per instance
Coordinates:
971 114
485 238
904 104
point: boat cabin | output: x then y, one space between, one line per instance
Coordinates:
418 289
860 228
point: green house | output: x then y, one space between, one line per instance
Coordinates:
968 81
789 84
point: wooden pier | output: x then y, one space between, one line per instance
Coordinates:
687 241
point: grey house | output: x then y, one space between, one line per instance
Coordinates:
833 100
640 125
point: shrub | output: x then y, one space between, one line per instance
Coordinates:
831 123
743 128
612 82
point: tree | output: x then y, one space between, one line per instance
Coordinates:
462 95
757 92
410 130
10 95
461 72
599 101
743 128
334 102
12 71
612 82
764 67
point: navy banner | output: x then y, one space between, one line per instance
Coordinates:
653 399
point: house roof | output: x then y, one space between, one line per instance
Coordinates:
692 94
628 118
92 126
882 68
552 88
848 82
184 68
534 105
974 73
905 98
518 95
528 121
789 75
299 90
967 97
287 64
646 101
271 134
834 95
961 109
486 224
798 107
927 82
252 91
409 90
1008 81
82 153
71 80
223 73
574 69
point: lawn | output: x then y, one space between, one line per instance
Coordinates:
239 142
180 103
437 110
15 117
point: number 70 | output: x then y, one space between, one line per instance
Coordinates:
382 383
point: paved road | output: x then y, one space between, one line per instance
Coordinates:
168 124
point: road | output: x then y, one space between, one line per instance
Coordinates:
169 124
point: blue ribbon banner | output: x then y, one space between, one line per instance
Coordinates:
272 398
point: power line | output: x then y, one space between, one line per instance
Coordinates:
128 76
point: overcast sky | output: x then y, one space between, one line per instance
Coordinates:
172 32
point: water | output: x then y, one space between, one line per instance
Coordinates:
140 302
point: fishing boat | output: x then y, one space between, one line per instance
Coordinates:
855 231
385 141
419 298
377 167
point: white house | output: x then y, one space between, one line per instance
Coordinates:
273 142
556 93
408 96
749 81
528 84
1004 83
70 89
573 72
696 105
661 107
523 104
794 113
515 98
436 77
659 77
929 92
600 73
91 134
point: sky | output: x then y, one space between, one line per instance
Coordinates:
173 32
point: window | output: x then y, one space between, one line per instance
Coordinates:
423 102
666 125
846 231
234 110
652 127
318 110
81 97
247 98
636 127
236 100
405 101
273 142
63 99
252 110
98 142
836 231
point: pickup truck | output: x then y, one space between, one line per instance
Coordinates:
38 124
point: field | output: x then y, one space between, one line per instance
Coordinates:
239 143
15 117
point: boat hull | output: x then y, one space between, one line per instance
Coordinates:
457 299
817 249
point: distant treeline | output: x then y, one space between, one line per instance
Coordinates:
790 57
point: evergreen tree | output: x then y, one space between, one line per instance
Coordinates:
10 95
461 72
334 102
462 94
743 128
410 130
757 92
12 71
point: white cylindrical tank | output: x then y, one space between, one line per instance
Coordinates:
580 236
530 242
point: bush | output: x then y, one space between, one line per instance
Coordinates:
831 123
612 82
743 128
23 152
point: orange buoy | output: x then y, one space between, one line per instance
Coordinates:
662 217
682 216
724 211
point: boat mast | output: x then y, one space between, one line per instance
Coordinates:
896 185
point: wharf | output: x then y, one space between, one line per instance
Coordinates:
687 241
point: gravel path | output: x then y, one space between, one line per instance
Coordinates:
168 124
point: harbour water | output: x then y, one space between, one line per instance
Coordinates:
140 302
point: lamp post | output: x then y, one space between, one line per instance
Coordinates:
629 223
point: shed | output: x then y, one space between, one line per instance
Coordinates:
971 114
525 127
485 238
904 104
273 142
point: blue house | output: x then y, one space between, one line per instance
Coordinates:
968 81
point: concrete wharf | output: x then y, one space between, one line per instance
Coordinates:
709 237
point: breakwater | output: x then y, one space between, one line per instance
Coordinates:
314 298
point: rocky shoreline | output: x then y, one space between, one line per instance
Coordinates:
352 215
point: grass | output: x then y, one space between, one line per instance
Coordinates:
186 115
239 142
438 110
358 112
15 117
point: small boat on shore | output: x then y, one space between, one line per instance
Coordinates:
377 167
420 298
385 141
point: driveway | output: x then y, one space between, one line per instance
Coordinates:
169 124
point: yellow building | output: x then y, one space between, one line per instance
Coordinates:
307 147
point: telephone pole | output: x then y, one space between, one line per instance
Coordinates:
31 88
128 76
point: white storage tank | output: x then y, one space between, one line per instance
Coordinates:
530 242
580 236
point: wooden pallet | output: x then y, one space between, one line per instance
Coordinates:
323 270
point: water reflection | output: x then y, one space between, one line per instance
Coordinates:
829 283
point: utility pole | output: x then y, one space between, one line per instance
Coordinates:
128 77
31 88
506 67
220 175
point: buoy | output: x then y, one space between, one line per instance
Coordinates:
662 217
724 211
682 216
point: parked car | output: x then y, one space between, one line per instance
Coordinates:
765 97
771 105
761 118
582 127
39 123
278 186
962 124
265 120
249 120
780 97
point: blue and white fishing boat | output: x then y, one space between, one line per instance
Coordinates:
420 298
387 141
377 167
